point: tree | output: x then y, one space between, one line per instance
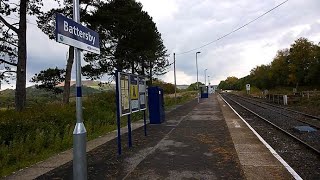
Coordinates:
168 88
314 71
300 59
13 43
49 79
130 41
194 87
261 76
231 83
4 75
280 68
46 22
299 65
222 85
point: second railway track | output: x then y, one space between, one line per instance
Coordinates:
296 115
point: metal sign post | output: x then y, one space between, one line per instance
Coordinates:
71 32
248 88
79 133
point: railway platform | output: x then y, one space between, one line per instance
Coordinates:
197 141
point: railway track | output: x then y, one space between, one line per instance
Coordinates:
276 126
308 119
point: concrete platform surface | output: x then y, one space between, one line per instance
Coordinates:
197 141
256 160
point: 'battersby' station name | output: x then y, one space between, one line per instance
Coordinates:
75 30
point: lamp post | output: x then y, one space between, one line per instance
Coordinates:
205 75
197 74
208 81
175 79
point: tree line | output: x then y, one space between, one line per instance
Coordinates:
129 41
296 66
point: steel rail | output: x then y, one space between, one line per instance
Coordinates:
285 108
279 128
249 100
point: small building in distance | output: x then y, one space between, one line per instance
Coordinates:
212 88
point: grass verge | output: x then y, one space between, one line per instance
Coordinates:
42 131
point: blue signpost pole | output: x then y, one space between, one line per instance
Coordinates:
129 131
118 113
145 122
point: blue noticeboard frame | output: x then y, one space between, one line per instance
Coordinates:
124 82
74 34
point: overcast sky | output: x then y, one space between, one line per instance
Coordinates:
188 24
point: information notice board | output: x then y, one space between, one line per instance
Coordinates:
132 93
124 94
142 93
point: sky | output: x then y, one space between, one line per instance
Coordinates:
186 25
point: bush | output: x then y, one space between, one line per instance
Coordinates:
40 131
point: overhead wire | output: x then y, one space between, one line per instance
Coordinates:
231 32
218 39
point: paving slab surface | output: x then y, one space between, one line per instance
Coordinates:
256 160
189 145
197 141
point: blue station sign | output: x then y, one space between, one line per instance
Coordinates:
74 34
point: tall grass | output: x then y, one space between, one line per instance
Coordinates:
44 130
182 97
41 131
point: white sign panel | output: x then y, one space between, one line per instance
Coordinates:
74 34
124 94
142 93
248 87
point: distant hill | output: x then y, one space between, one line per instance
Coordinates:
182 86
84 83
92 84
35 95
7 92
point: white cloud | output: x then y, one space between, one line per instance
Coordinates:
182 78
256 44
160 10
185 25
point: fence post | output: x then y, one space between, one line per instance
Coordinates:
273 98
285 100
